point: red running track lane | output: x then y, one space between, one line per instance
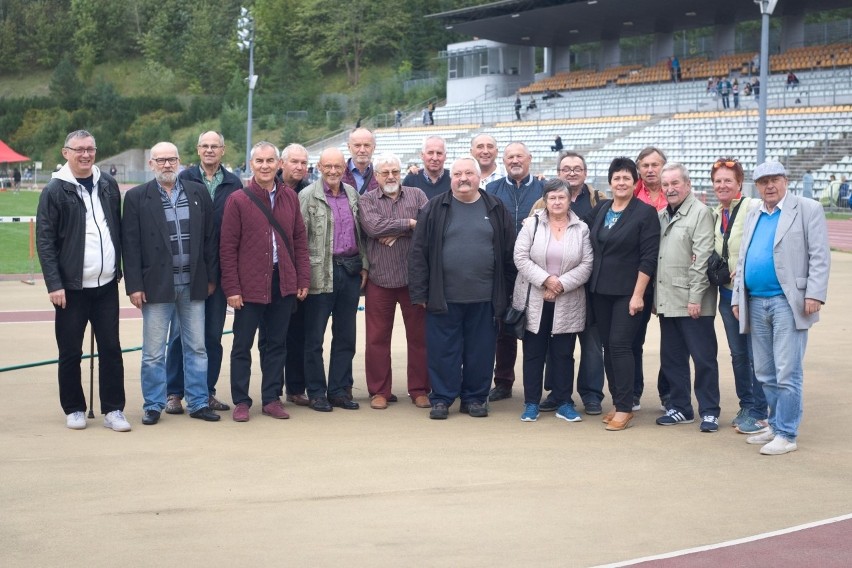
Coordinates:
840 235
30 316
827 545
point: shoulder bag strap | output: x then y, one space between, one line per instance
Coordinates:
267 211
728 232
529 285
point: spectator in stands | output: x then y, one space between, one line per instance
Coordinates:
426 116
517 107
711 86
755 88
650 162
735 90
388 216
727 175
433 178
557 144
519 191
625 237
843 199
792 80
554 259
483 148
532 104
359 168
686 303
397 118
676 68
220 183
780 285
808 185
431 109
832 196
725 92
670 67
747 89
461 270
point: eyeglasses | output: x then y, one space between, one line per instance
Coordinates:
726 162
336 167
576 170
81 151
164 161
386 173
209 146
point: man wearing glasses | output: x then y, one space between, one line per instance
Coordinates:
388 216
338 274
79 247
172 268
220 185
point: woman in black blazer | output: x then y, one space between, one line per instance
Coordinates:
625 235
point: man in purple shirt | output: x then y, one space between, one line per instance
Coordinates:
338 273
388 216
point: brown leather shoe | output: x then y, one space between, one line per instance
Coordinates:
608 416
298 399
174 405
378 402
615 425
422 401
216 404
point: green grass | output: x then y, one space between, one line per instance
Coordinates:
15 237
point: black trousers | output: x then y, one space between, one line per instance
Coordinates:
557 350
100 307
273 318
294 362
618 331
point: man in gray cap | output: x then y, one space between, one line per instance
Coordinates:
780 285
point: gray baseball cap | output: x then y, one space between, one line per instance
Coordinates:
768 169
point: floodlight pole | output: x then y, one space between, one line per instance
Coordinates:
766 9
245 33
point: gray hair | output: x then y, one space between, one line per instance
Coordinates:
467 159
264 144
521 144
676 166
387 158
221 138
285 153
78 134
434 137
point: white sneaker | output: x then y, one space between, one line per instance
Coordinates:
778 446
76 420
115 420
761 438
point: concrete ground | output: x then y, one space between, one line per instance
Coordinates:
391 487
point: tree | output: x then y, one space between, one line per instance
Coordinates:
65 86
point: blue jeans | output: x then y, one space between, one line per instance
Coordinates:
746 384
779 349
215 310
156 319
460 347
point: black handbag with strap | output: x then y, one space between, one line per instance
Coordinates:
718 272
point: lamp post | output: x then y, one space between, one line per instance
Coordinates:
245 40
766 9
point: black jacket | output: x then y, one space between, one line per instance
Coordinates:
61 230
148 266
425 272
230 183
632 246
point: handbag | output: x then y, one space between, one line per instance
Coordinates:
718 272
351 264
515 321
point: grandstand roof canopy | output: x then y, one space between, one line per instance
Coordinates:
547 23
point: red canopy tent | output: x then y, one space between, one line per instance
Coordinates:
7 155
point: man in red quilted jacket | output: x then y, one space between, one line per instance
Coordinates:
265 268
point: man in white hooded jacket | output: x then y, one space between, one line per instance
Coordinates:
79 245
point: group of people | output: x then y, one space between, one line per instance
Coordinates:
456 249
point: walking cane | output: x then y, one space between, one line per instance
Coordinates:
91 371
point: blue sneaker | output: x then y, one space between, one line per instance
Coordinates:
568 413
741 417
530 412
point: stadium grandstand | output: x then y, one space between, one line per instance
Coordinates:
621 93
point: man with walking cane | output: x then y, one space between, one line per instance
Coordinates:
79 246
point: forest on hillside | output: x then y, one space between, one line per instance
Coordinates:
188 55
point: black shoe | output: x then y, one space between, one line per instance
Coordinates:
549 404
205 414
592 408
475 409
320 404
500 392
392 398
439 411
344 403
150 417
